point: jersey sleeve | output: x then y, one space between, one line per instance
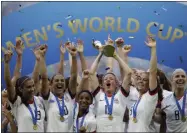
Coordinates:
164 103
47 101
14 106
96 93
149 100
124 96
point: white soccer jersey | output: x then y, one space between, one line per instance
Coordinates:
144 113
89 121
92 107
23 115
53 115
119 106
173 116
166 93
133 96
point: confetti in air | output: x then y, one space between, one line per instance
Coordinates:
68 17
180 26
163 8
155 24
22 30
162 61
156 13
131 37
73 21
20 5
181 60
20 11
118 7
59 25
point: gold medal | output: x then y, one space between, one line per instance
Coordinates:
183 118
35 127
134 120
82 128
110 117
61 118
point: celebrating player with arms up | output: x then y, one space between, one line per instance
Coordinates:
83 117
111 100
59 102
142 111
27 108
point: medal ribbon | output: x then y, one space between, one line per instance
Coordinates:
135 107
182 111
61 108
110 106
81 124
34 116
74 110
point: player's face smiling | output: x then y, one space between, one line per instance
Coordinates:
143 81
28 89
84 100
58 84
179 79
109 83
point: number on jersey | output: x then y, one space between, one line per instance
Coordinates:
65 110
38 115
177 115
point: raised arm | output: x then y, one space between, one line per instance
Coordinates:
36 71
119 43
93 80
153 63
80 50
17 70
95 64
122 52
84 84
9 86
43 71
61 64
73 78
126 71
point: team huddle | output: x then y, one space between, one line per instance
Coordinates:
138 101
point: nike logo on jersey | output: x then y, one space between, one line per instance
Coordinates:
66 99
101 100
51 101
40 106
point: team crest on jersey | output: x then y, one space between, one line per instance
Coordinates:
51 101
40 106
116 101
66 99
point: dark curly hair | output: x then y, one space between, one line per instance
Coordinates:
19 86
